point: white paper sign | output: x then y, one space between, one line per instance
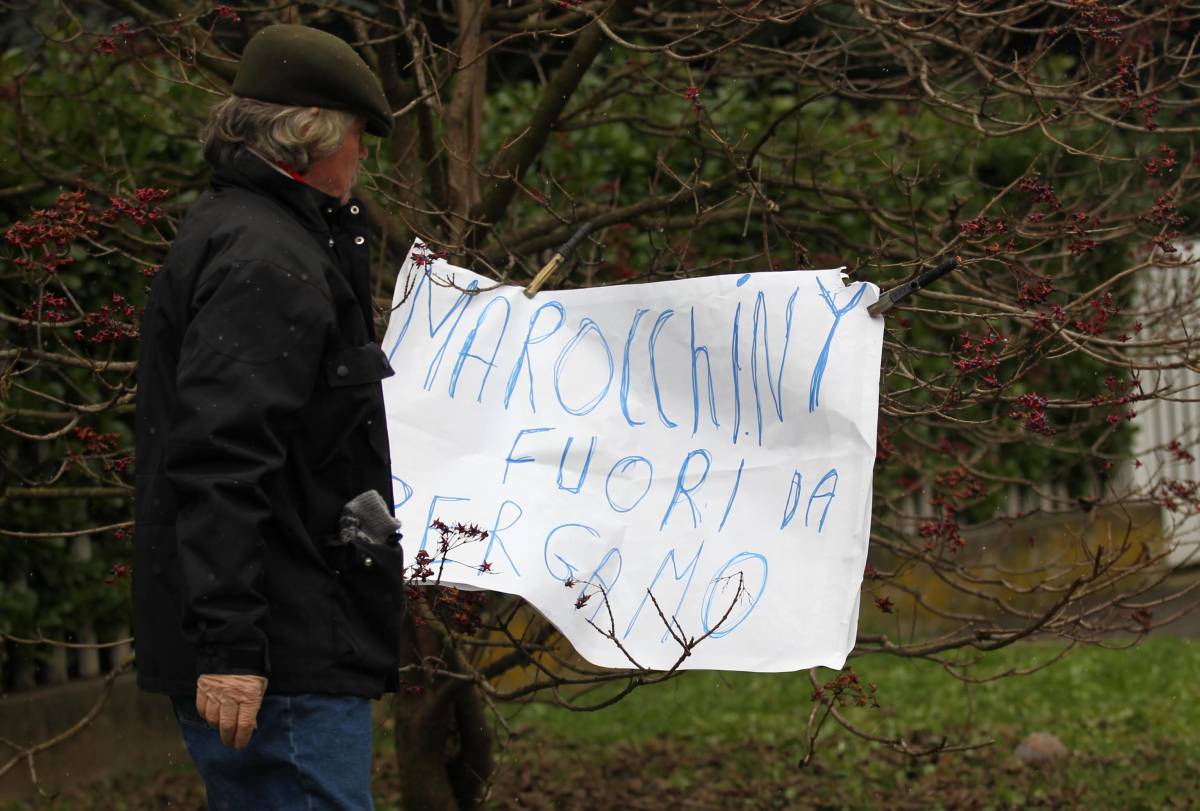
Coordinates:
709 441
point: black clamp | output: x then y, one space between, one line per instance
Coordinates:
561 255
890 298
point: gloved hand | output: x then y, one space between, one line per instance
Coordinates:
230 704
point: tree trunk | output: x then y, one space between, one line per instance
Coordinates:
443 745
464 117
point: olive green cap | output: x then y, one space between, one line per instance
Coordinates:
304 67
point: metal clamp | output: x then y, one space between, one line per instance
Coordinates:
561 255
890 298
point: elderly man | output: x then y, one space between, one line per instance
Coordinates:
259 415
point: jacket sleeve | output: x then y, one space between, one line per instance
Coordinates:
248 363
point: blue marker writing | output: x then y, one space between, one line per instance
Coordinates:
793 500
519 460
682 489
697 352
814 388
426 284
586 326
408 491
827 495
775 386
468 343
606 583
658 327
719 586
625 370
523 359
688 571
562 462
568 571
732 495
494 536
735 369
433 503
620 470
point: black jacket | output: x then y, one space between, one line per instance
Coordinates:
259 415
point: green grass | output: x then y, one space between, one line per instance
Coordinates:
1131 719
1094 698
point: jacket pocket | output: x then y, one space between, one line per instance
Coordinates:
356 365
372 577
347 417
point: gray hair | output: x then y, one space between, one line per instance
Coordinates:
297 136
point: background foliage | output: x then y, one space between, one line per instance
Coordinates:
1049 145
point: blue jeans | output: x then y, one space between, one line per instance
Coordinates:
309 753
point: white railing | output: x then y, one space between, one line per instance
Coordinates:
1174 417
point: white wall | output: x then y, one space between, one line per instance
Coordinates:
1177 417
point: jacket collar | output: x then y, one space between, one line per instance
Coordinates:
247 170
